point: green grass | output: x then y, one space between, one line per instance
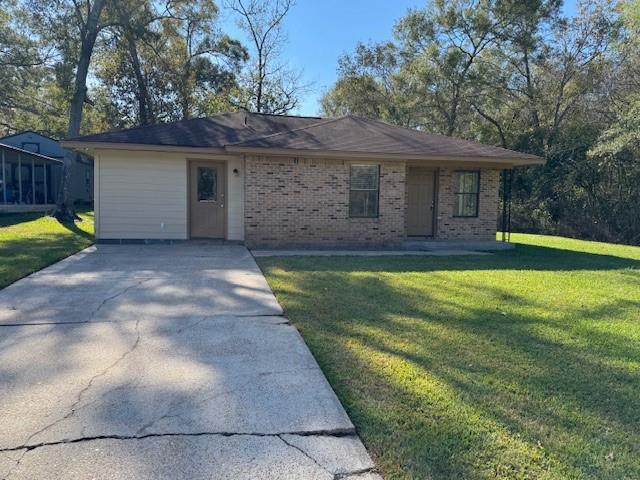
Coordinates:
522 364
30 242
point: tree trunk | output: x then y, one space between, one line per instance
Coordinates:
64 209
145 114
145 111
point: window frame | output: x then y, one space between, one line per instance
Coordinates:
457 194
377 189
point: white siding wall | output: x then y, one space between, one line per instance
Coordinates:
138 191
235 200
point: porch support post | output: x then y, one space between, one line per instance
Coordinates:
504 205
4 181
33 181
44 179
19 178
507 181
510 184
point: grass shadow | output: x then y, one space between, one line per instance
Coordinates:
10 219
524 364
74 229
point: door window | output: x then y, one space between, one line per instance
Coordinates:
207 184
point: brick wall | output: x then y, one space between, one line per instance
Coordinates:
481 228
307 203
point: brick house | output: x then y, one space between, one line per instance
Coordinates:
272 180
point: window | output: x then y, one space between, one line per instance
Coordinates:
207 184
363 192
467 194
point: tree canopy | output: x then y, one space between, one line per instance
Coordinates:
79 66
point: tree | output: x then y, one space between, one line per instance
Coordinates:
132 21
71 27
168 63
616 154
368 85
21 65
269 85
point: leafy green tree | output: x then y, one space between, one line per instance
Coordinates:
168 63
21 65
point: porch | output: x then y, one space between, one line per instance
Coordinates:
454 206
28 180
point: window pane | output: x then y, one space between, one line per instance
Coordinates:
364 177
371 204
363 196
475 187
356 203
468 182
363 203
207 184
466 205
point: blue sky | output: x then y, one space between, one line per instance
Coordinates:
320 31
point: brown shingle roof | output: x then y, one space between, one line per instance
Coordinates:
209 132
359 135
242 131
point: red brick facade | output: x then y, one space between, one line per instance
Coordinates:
482 227
293 202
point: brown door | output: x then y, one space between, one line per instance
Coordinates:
421 192
207 199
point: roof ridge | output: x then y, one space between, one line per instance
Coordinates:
324 122
28 130
282 115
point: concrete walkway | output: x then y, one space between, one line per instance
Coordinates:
163 362
364 253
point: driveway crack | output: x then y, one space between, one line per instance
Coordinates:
85 389
340 432
307 455
321 433
116 295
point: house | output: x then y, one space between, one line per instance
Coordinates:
27 180
272 180
81 186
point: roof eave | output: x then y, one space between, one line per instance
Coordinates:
515 161
92 146
85 146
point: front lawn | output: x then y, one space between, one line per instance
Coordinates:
30 242
522 364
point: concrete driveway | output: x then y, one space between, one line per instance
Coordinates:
163 361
